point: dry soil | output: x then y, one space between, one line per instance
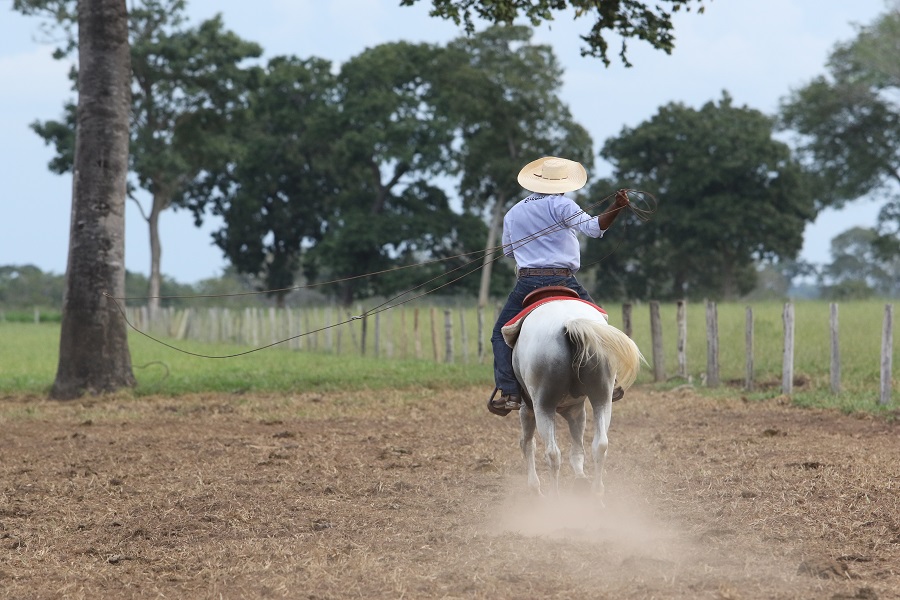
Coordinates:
421 494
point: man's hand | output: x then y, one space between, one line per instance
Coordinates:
610 214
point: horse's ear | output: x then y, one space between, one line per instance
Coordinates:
549 291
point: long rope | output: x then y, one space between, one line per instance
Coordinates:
643 214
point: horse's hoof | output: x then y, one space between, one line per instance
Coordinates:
582 486
599 493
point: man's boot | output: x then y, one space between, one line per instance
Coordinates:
504 404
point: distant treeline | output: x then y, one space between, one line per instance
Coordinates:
25 289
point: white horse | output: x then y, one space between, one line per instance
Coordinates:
566 352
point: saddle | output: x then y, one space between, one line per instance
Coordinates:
550 291
538 297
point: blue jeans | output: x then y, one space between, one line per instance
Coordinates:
504 377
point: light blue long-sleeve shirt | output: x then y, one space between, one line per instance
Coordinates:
540 231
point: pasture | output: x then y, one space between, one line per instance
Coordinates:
309 475
407 354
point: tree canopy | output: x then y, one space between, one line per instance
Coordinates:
352 173
848 124
730 196
503 92
624 19
857 270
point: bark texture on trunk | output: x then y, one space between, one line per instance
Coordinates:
93 348
494 229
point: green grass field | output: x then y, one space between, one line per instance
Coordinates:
29 354
28 357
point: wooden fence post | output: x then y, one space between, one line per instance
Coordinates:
659 367
307 329
626 319
481 353
227 325
339 330
835 351
404 348
350 326
389 338
255 321
377 333
417 334
681 320
183 325
273 329
448 335
887 346
748 336
213 330
434 342
464 338
362 337
712 344
329 333
787 366
291 330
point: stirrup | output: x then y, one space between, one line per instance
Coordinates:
506 407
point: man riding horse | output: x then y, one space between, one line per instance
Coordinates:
540 233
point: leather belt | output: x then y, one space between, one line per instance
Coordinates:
544 273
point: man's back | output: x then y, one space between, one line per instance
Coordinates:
539 231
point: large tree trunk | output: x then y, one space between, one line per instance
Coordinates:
93 347
493 231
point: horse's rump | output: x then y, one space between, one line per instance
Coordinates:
584 328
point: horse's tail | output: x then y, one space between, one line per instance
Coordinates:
595 339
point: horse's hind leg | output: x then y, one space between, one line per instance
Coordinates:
526 442
546 426
575 416
602 414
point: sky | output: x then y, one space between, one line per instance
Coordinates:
756 50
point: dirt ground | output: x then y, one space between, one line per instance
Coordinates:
421 494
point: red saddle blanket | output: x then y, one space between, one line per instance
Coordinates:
510 330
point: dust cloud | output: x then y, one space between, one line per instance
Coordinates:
631 542
620 522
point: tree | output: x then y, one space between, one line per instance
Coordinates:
25 286
730 196
93 350
330 174
392 140
848 123
624 18
186 82
775 280
856 270
272 191
503 92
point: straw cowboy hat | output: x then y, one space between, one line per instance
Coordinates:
552 175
